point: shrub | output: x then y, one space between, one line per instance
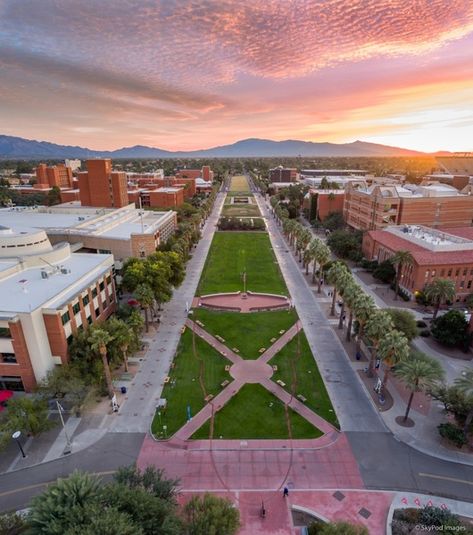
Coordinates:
421 299
369 265
421 324
452 433
404 321
425 333
436 516
385 272
451 329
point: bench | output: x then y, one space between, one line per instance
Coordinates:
273 340
281 383
200 323
219 338
275 368
183 330
235 350
227 368
209 397
282 331
262 350
302 398
167 379
173 365
225 383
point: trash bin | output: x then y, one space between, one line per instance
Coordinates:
123 389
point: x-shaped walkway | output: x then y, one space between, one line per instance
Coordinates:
249 371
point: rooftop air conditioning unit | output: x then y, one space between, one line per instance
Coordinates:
64 271
44 275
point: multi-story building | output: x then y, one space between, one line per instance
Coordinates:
436 205
444 254
166 197
73 164
205 173
283 174
47 294
319 203
100 186
124 232
59 175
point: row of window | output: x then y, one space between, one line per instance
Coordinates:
23 244
65 318
8 358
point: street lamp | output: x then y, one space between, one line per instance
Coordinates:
16 437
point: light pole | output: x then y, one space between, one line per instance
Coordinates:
16 437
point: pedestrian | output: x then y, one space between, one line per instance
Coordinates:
285 492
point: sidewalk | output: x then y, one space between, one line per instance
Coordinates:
424 435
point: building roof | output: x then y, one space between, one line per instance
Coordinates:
422 255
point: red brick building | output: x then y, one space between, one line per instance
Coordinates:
100 186
166 197
445 254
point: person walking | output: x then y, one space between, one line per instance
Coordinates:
285 492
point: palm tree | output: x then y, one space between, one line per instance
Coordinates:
438 291
363 308
465 385
350 294
419 373
338 275
145 297
98 342
307 259
304 238
393 349
400 259
378 326
323 256
346 291
124 337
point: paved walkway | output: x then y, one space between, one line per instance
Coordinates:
424 435
249 371
243 302
137 413
352 406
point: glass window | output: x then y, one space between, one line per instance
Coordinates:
465 271
76 308
89 320
427 273
449 274
97 312
94 292
101 286
434 272
462 284
65 318
109 280
85 300
457 272
468 285
8 358
69 339
5 332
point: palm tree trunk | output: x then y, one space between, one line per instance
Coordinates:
307 268
146 319
385 378
350 321
436 311
314 269
340 320
125 359
411 397
468 420
332 309
396 285
106 369
372 361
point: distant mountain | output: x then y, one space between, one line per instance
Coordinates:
17 147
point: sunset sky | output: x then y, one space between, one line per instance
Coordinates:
184 75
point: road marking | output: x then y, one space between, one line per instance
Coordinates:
446 478
46 483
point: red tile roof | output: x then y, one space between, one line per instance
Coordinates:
423 256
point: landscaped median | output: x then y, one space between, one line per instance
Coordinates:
255 369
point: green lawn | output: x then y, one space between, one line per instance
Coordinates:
233 252
255 413
239 183
246 332
187 390
309 381
240 210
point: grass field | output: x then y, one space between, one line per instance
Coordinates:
255 413
309 381
246 332
240 210
239 183
231 253
187 390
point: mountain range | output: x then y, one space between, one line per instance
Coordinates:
17 147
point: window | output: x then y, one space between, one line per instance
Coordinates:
449 274
94 293
468 285
97 312
8 382
457 272
462 284
65 318
69 339
5 332
442 272
89 320
427 273
76 308
433 273
101 286
85 300
109 280
465 271
8 358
